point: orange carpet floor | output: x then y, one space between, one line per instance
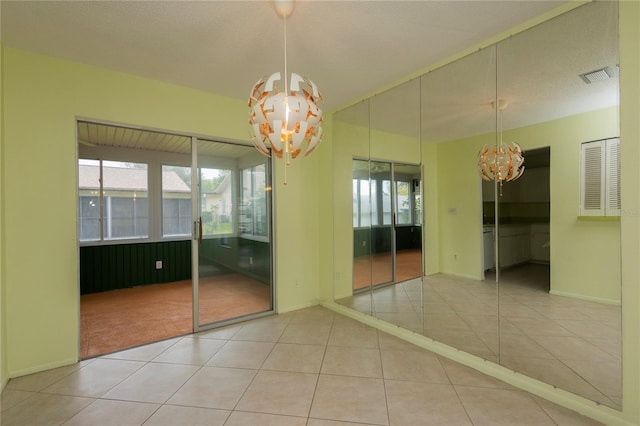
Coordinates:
120 319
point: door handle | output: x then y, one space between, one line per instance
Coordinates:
200 230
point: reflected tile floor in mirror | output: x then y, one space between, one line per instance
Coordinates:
309 367
570 343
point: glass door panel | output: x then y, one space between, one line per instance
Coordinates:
408 230
233 248
382 218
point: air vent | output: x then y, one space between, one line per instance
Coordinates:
597 75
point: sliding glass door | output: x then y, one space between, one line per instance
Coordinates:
232 244
386 223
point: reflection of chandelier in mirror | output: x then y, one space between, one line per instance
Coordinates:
285 122
500 163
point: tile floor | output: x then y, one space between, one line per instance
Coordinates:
309 367
572 344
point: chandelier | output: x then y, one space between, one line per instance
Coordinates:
285 121
500 163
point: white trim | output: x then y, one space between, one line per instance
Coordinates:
603 300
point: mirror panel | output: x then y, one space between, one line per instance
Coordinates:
395 164
559 273
513 272
352 259
460 309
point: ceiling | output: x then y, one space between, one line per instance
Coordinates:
348 48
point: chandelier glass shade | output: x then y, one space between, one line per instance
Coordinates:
501 163
284 116
288 122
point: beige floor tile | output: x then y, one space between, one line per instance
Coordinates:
38 381
481 323
350 399
409 320
108 412
296 358
191 351
467 341
240 354
306 333
540 326
462 375
563 416
573 348
11 397
214 387
517 310
557 312
438 308
604 376
262 330
592 328
313 315
354 335
325 422
474 308
520 345
222 333
384 305
501 407
412 403
95 379
143 353
421 366
278 392
611 346
153 383
240 418
44 409
168 415
348 361
440 322
553 372
387 341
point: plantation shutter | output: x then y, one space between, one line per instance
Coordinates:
600 178
592 182
612 175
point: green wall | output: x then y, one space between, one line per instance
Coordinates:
43 96
630 195
585 255
3 322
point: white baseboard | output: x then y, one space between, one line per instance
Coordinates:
603 300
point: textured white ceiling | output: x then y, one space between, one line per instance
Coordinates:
348 48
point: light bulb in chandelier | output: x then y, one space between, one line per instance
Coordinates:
285 117
287 122
501 163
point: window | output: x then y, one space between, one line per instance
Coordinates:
600 178
252 217
176 201
115 194
365 211
216 193
403 202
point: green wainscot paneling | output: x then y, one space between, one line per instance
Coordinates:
112 267
118 266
